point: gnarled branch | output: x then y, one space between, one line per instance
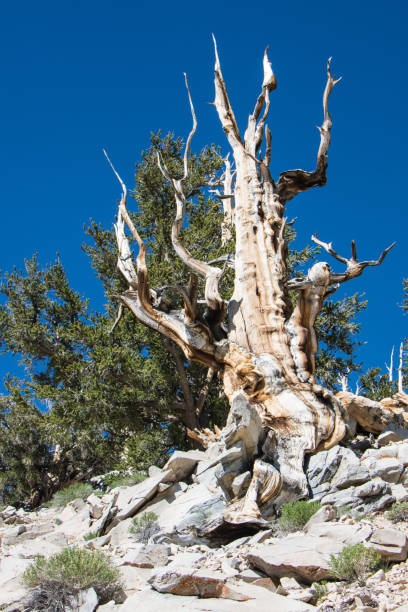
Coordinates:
354 268
223 106
293 182
211 274
193 340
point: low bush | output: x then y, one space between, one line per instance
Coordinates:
295 515
321 589
144 527
354 562
91 535
77 490
122 480
58 580
398 512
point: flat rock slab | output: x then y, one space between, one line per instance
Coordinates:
130 499
264 601
181 464
346 534
134 578
200 582
148 556
302 557
391 544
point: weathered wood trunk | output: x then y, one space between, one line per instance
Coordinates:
263 348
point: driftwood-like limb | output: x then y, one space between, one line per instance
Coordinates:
293 182
211 274
354 267
390 368
223 106
139 298
204 391
118 318
255 131
227 199
400 389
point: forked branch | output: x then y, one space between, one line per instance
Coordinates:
293 182
194 340
211 274
354 268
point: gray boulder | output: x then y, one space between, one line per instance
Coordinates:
305 557
391 544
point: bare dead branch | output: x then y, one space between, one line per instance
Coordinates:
211 274
293 182
354 268
222 104
192 132
390 368
118 318
400 388
204 391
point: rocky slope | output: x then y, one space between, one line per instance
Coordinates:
197 559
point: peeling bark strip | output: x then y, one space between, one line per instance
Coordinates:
264 349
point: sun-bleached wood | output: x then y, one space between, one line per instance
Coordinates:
263 348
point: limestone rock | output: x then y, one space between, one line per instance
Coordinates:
181 464
39 547
148 556
323 466
323 515
86 601
130 499
387 468
202 583
96 506
392 433
133 578
350 473
188 509
391 544
240 484
263 601
302 557
346 534
400 492
376 486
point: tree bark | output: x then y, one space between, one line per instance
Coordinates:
263 347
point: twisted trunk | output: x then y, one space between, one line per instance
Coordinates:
263 348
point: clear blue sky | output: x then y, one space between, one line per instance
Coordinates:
80 76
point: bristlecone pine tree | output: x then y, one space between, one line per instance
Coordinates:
261 345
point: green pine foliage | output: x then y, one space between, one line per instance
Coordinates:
376 385
92 400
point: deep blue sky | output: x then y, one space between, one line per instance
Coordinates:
80 76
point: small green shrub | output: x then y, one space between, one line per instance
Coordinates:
295 515
91 535
321 589
77 490
144 527
398 512
59 579
122 480
354 562
58 521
